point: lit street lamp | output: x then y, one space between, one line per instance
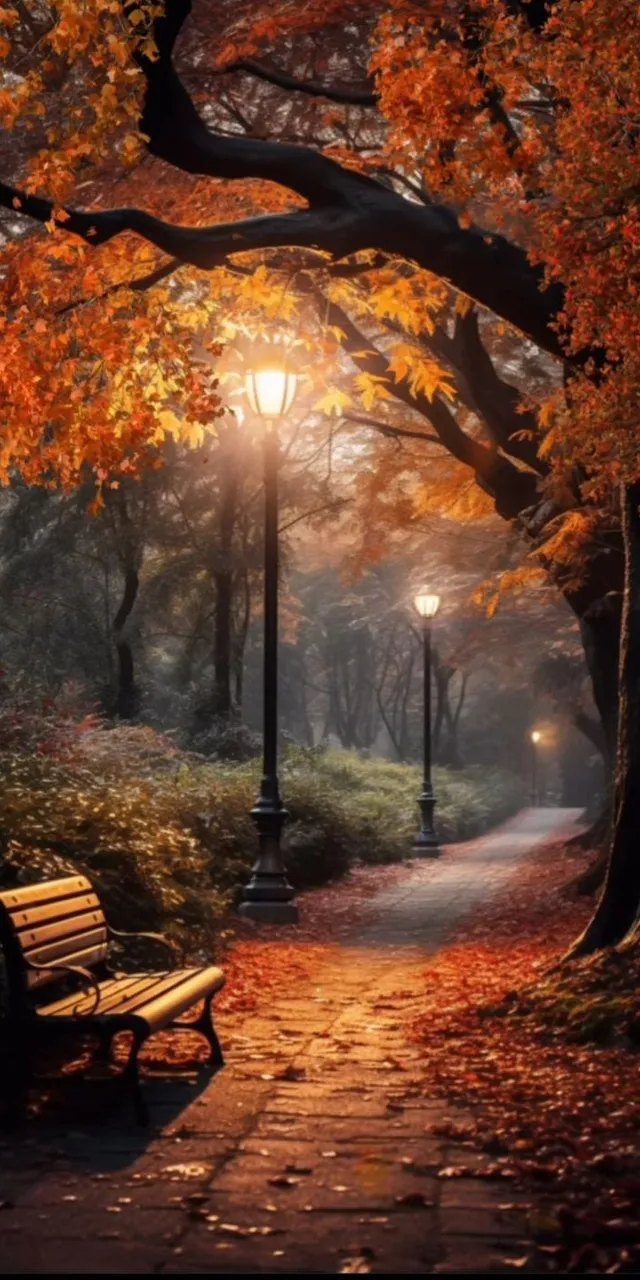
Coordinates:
271 387
535 736
426 841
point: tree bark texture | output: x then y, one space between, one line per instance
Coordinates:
127 695
618 907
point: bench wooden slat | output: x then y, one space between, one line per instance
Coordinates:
67 930
155 998
124 996
83 959
46 891
194 987
54 911
115 990
90 937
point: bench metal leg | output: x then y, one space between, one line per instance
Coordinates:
103 1049
130 1079
204 1024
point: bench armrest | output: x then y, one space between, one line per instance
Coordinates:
79 972
170 947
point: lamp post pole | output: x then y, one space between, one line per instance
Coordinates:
426 841
268 895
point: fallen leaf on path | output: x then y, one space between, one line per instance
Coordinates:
415 1200
185 1170
292 1073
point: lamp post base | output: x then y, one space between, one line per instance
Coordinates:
425 845
425 842
268 895
269 912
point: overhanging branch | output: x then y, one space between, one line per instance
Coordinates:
349 212
511 488
344 94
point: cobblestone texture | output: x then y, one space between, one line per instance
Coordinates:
311 1151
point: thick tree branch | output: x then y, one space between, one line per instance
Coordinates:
349 96
178 134
348 212
511 488
496 402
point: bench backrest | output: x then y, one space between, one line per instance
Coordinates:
57 920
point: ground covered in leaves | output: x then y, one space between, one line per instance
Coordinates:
545 1056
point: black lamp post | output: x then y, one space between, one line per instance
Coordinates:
425 843
535 738
270 387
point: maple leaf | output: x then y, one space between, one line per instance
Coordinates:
333 402
372 387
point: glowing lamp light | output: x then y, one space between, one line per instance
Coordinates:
270 385
535 736
426 603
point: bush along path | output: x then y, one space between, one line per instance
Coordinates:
320 1147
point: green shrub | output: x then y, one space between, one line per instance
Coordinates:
168 838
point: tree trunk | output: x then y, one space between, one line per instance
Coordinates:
618 906
240 631
601 640
222 573
127 697
222 704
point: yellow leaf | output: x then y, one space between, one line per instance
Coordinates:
372 387
334 401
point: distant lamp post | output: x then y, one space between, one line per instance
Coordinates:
535 736
271 387
426 841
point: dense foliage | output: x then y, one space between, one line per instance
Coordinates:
168 837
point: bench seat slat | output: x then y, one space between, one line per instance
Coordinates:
162 1009
113 992
154 998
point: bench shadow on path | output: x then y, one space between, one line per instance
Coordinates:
81 1124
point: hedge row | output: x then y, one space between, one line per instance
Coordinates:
168 838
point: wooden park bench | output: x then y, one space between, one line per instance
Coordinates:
56 933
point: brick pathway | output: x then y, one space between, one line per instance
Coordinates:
312 1151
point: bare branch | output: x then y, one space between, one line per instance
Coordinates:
353 96
306 515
